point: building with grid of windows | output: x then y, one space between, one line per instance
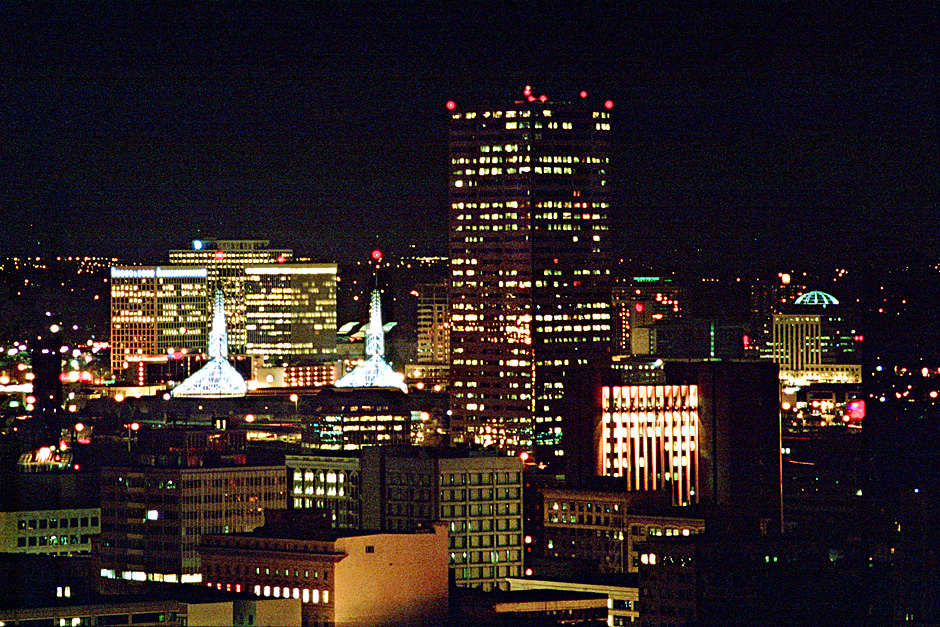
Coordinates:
606 526
530 271
290 311
342 578
157 314
53 532
152 518
225 262
329 482
432 365
478 495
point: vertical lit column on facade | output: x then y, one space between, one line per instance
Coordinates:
649 435
529 248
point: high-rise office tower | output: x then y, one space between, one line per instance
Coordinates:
290 311
225 262
530 276
157 313
432 366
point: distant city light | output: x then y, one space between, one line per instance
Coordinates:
376 254
451 105
584 94
197 244
609 104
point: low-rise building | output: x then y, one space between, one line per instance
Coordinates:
341 578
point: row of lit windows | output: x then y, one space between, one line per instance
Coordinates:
511 204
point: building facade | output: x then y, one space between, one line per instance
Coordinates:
225 262
529 249
50 532
650 437
606 527
341 579
290 311
478 496
331 483
157 314
152 518
815 342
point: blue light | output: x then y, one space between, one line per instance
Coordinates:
197 244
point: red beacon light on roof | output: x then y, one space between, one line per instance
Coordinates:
451 105
609 104
584 94
527 91
543 98
376 254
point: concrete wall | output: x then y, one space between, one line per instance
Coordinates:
402 579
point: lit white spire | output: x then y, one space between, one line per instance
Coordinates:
217 378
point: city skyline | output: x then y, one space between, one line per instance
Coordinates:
770 136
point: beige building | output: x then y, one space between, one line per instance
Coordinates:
342 578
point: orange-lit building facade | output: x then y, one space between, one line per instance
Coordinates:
157 313
341 578
529 250
650 436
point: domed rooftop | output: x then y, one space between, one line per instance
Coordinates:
817 298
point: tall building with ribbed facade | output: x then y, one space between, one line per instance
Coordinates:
530 271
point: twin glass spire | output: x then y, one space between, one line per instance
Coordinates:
375 372
217 379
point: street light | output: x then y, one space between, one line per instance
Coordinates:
295 398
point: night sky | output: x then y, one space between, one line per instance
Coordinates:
743 135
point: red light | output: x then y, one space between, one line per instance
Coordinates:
219 255
859 338
531 98
609 104
376 254
584 94
451 105
543 97
528 90
281 258
746 339
639 307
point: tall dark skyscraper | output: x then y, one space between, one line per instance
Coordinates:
530 271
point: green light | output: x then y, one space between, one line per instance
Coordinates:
647 279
